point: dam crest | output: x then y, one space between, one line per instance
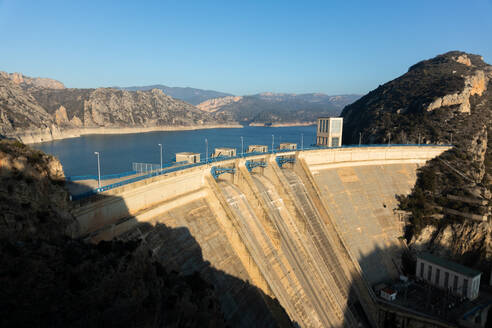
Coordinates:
313 230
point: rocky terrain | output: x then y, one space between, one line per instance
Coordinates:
49 279
277 107
446 99
190 95
32 82
33 110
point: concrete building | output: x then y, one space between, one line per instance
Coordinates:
257 149
227 152
288 145
445 274
329 131
388 294
188 157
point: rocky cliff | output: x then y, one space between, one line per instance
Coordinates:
32 82
48 279
35 110
446 99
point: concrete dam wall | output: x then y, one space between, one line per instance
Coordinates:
298 244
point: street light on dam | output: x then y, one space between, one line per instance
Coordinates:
98 170
160 146
206 150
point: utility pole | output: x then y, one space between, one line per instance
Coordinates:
160 146
242 146
360 138
419 139
389 139
273 142
98 170
451 138
302 141
206 151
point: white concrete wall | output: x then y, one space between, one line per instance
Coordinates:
344 157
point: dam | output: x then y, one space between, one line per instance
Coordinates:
297 238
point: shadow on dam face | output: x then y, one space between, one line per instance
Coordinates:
316 239
177 250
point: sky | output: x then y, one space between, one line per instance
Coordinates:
240 47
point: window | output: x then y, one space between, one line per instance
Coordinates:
422 265
465 287
335 142
429 273
455 284
336 126
438 274
446 280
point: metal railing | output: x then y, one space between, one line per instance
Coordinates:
181 166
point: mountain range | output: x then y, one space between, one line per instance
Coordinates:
42 109
190 95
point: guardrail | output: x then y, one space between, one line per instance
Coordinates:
214 160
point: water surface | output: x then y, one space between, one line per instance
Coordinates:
118 151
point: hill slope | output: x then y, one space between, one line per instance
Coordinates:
278 107
32 112
190 95
446 99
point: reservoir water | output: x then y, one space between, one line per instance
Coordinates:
118 151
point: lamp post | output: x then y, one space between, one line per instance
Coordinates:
98 170
206 151
302 141
242 146
160 146
273 142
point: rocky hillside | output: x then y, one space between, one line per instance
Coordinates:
19 111
35 110
48 279
32 82
446 99
105 107
190 95
277 107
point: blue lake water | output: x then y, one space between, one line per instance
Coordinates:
118 151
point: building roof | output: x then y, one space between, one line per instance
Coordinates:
187 153
325 117
453 266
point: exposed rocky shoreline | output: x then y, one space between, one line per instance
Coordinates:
37 136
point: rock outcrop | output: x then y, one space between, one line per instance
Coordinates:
32 82
212 105
32 113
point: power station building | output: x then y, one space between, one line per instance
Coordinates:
329 131
445 274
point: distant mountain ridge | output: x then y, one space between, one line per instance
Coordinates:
271 107
190 95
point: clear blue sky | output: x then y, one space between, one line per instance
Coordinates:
241 47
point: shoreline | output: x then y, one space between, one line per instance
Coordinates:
54 133
283 125
48 136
